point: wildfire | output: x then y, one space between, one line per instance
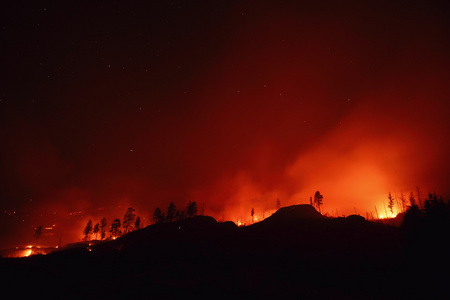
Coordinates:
21 251
243 221
388 216
28 251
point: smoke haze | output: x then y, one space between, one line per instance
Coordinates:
231 105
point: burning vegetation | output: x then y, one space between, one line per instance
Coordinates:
282 255
413 209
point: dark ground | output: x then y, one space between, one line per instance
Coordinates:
293 254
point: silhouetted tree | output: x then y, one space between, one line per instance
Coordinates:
427 226
412 221
403 201
137 224
171 210
158 215
318 198
192 209
278 205
412 201
128 220
96 230
391 203
114 229
419 197
102 228
414 211
436 210
87 230
252 213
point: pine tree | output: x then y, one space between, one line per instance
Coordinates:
38 232
96 230
412 200
391 203
158 215
318 198
252 213
128 220
192 209
177 215
102 228
171 210
114 229
403 201
87 230
137 224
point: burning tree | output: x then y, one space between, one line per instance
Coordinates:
252 213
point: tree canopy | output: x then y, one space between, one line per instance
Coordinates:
128 220
192 209
171 211
318 198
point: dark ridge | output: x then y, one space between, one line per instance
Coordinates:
291 221
303 228
294 213
199 229
356 219
294 253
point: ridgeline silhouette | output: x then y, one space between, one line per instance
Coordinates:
295 253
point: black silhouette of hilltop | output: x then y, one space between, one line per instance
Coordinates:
295 213
295 253
289 215
190 231
299 226
305 229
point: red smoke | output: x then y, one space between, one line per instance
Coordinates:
287 99
322 105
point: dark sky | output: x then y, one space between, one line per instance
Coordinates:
232 104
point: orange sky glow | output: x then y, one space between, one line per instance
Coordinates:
232 106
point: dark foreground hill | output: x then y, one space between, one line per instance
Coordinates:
295 253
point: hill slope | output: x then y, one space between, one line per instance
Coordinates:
295 252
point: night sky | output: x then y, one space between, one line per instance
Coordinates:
233 104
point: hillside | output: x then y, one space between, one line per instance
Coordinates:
294 253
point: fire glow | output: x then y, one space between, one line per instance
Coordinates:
25 251
287 100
